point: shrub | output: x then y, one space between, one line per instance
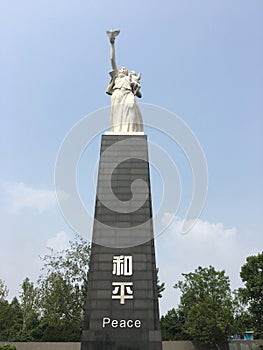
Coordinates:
7 347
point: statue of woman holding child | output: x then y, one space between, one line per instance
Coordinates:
124 86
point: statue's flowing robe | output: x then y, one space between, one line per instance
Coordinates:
125 113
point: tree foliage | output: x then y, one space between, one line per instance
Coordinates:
29 303
10 320
10 316
172 326
3 290
252 294
160 285
54 309
62 292
206 304
242 317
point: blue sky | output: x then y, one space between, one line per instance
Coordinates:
199 59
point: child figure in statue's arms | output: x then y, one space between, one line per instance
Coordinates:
135 83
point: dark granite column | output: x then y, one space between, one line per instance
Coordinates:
122 303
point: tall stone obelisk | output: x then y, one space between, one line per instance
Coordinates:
122 300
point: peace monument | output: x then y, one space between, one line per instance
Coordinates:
122 310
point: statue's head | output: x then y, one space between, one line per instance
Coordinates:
132 72
123 70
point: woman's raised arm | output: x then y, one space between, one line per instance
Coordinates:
112 54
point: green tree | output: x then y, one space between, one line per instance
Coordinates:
3 290
10 316
206 304
4 312
160 285
10 320
242 318
61 305
172 326
15 321
4 319
71 264
62 292
29 310
252 275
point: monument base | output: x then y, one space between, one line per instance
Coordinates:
122 300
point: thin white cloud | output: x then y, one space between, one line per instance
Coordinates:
205 244
59 241
167 217
22 196
25 260
206 231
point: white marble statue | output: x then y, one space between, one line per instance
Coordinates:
123 87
